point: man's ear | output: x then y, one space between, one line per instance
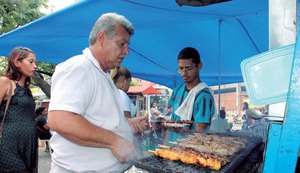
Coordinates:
200 66
101 37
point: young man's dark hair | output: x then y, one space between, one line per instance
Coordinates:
190 53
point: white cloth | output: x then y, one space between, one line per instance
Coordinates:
127 103
79 85
185 110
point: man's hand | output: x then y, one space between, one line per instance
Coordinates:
124 150
138 124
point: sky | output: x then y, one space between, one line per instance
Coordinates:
55 5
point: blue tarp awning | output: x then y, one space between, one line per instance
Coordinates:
224 33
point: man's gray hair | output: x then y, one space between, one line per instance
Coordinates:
107 23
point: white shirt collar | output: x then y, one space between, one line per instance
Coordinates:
89 55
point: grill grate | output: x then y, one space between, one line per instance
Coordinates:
161 165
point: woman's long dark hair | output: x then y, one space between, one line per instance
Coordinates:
12 72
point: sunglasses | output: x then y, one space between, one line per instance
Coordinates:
25 48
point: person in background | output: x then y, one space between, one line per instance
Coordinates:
122 78
193 100
42 125
89 130
154 112
19 141
168 112
41 111
221 124
247 121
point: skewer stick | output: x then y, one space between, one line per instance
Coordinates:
163 146
151 151
193 135
171 142
198 134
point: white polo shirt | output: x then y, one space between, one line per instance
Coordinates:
79 85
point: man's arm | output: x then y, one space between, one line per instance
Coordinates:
80 131
204 108
127 114
138 124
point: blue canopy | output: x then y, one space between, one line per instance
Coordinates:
224 33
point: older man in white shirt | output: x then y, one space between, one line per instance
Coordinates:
91 133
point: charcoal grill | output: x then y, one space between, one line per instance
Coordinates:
237 162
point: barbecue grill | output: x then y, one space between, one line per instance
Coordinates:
246 160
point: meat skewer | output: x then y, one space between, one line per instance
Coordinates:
220 145
207 150
188 156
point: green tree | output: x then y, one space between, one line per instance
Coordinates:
3 65
15 13
46 68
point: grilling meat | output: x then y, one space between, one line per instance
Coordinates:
179 121
190 156
207 150
210 143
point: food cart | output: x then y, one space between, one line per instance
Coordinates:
281 152
282 146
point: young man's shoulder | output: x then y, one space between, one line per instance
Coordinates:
179 87
204 93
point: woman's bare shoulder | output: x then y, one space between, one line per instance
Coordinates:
4 80
4 86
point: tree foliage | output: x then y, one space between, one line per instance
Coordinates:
3 65
46 68
15 13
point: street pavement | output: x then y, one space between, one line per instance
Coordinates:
44 160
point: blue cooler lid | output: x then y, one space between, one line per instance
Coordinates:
267 75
